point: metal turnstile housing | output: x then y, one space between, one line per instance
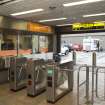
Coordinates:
17 73
52 80
36 77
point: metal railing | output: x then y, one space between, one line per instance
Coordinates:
95 71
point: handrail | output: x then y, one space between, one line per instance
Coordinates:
78 83
87 81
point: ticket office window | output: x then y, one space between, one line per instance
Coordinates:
8 42
42 44
45 44
24 44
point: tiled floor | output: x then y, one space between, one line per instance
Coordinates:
20 98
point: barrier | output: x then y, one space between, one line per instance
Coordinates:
95 71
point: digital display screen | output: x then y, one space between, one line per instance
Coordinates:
50 72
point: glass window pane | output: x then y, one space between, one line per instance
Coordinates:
35 43
25 44
45 44
8 42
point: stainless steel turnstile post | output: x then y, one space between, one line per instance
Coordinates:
84 82
74 57
97 79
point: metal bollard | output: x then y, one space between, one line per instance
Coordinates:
78 84
97 71
94 59
93 67
104 85
97 82
74 57
87 84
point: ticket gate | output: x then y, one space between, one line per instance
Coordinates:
17 73
36 77
59 80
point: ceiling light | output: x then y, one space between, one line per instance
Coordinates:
14 1
49 20
64 25
80 2
27 12
91 15
7 2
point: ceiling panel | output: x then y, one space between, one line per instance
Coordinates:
74 14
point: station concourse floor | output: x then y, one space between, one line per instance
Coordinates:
20 98
8 97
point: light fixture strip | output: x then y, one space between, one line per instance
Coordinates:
27 12
64 25
92 15
49 20
81 2
14 1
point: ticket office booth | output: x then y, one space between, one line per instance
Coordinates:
20 43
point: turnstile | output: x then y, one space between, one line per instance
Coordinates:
36 77
17 73
59 80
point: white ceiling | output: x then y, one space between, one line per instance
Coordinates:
74 14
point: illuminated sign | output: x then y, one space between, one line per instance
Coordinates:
88 26
50 72
35 27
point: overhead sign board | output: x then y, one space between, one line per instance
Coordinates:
35 27
12 23
88 26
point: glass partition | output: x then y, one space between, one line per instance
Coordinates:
8 42
24 44
8 45
45 44
35 44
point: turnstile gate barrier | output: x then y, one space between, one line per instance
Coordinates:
59 80
36 77
17 73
